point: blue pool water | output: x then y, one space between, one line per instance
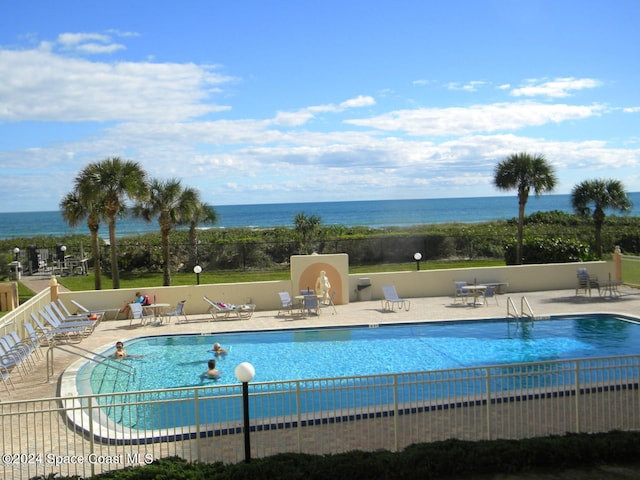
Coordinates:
177 361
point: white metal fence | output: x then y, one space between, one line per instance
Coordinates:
89 434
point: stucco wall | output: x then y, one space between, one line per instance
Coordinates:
424 283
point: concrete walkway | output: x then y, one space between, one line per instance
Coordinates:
37 283
357 313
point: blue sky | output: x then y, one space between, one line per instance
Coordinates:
272 101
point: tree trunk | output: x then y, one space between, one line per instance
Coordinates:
95 253
166 257
115 272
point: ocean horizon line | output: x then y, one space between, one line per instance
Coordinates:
514 196
365 213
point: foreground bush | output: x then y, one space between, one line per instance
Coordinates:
452 458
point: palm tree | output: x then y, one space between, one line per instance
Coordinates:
602 194
173 205
74 210
305 226
204 214
113 182
523 172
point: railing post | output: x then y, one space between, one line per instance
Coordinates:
299 416
395 413
92 444
577 401
196 408
488 404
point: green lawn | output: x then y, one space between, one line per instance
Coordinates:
146 280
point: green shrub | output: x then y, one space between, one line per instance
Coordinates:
537 250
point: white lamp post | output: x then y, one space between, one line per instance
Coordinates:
16 252
244 373
197 269
417 257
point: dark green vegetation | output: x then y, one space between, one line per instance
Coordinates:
438 460
250 254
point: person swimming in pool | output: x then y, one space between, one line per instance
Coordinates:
213 372
120 351
218 350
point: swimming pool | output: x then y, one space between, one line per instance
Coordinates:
168 362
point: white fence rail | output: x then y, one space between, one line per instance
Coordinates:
90 434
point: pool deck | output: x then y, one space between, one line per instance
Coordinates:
543 303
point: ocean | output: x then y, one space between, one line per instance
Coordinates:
372 213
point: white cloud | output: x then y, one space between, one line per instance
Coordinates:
477 118
302 116
465 87
359 101
45 86
88 43
558 88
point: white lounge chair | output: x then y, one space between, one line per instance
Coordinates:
391 299
286 304
102 312
137 313
226 311
178 312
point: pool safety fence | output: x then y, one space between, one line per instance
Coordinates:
90 434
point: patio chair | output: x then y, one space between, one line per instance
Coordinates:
286 304
12 360
5 376
310 304
50 335
490 292
586 282
101 312
58 317
391 299
36 340
137 313
227 311
178 312
329 303
80 327
18 350
461 293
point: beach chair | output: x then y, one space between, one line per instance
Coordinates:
178 312
586 282
77 328
18 349
12 360
329 303
490 292
461 293
391 299
5 376
310 304
101 312
59 320
227 311
137 313
286 304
